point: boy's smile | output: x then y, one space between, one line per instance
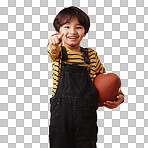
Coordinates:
73 32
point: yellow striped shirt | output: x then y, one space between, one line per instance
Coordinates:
73 58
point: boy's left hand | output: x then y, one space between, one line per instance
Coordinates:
114 104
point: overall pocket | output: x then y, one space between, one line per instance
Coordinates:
54 106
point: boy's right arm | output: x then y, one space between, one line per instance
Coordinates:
53 48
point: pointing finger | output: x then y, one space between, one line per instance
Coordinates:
60 36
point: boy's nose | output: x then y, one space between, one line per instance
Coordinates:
72 30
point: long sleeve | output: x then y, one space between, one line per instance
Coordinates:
53 51
99 66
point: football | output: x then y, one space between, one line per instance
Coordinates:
108 86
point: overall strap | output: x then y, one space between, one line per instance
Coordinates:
85 53
64 54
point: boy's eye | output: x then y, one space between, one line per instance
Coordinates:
66 27
79 27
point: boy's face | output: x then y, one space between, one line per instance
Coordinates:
73 33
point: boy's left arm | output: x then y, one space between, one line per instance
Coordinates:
120 98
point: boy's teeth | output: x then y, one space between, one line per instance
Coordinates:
72 37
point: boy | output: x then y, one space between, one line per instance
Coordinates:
74 96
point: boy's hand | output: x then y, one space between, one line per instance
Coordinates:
114 104
56 39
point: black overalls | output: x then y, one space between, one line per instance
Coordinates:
73 108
